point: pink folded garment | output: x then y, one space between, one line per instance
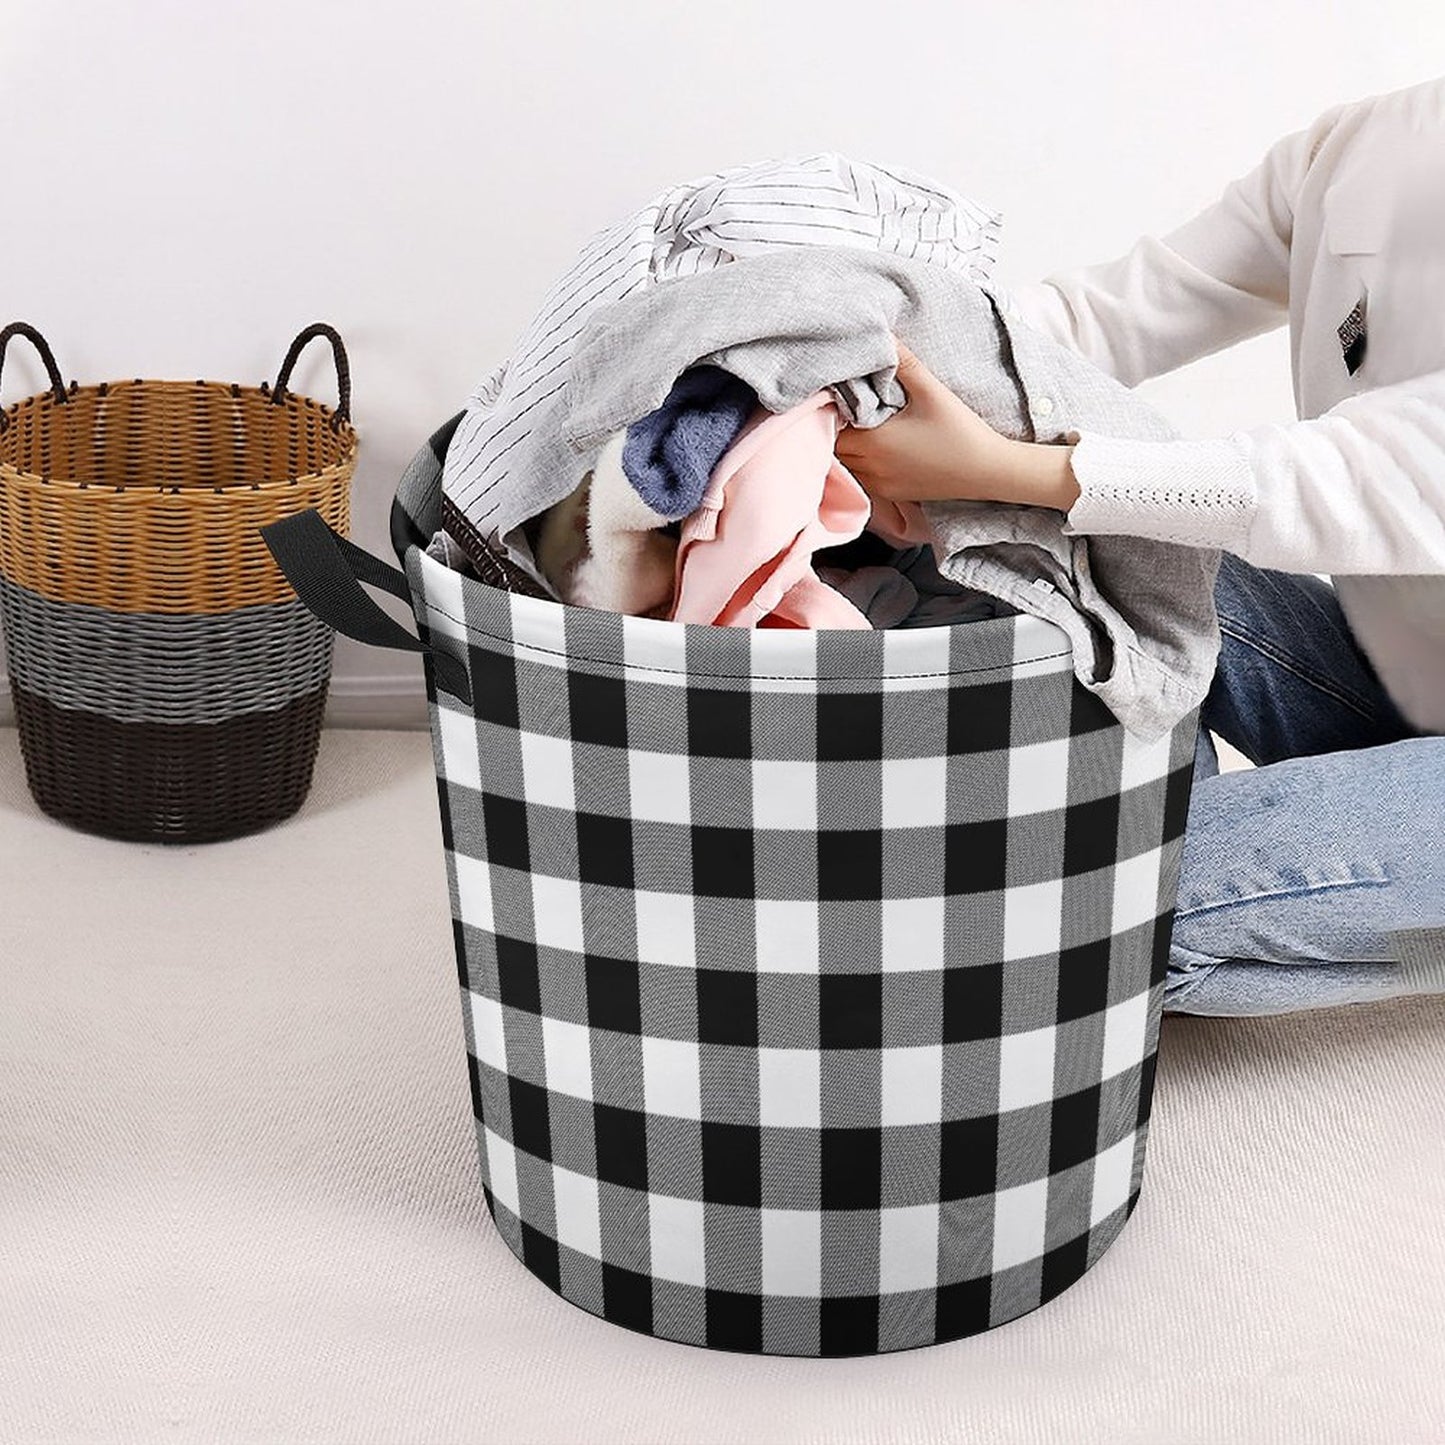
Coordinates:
776 496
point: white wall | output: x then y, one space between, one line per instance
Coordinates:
187 184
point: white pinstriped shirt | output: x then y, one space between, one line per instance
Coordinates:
823 199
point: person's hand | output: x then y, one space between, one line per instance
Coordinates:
938 448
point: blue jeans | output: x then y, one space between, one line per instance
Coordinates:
1295 873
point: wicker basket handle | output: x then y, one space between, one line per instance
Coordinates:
343 368
25 329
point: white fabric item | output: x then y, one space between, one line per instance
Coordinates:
1350 207
239 1198
697 225
625 563
562 538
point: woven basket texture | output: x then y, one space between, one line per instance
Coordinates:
146 496
167 683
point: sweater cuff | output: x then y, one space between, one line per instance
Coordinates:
1195 493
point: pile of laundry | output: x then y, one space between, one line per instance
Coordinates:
713 509
661 442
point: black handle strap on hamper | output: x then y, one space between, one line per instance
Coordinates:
328 571
25 329
343 369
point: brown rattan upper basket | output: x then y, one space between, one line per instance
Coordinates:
190 470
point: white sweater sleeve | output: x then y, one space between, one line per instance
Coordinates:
1217 279
1359 489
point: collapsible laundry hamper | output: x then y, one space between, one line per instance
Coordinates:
168 686
811 979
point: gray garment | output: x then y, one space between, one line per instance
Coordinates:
881 593
908 590
1140 613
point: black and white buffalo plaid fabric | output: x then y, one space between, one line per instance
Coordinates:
812 980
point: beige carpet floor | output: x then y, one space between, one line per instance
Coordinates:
239 1200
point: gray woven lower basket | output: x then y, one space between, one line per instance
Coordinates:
164 668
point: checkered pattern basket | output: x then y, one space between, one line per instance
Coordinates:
168 686
811 979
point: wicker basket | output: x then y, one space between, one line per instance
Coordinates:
168 686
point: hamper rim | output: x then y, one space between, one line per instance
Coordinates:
290 405
791 644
